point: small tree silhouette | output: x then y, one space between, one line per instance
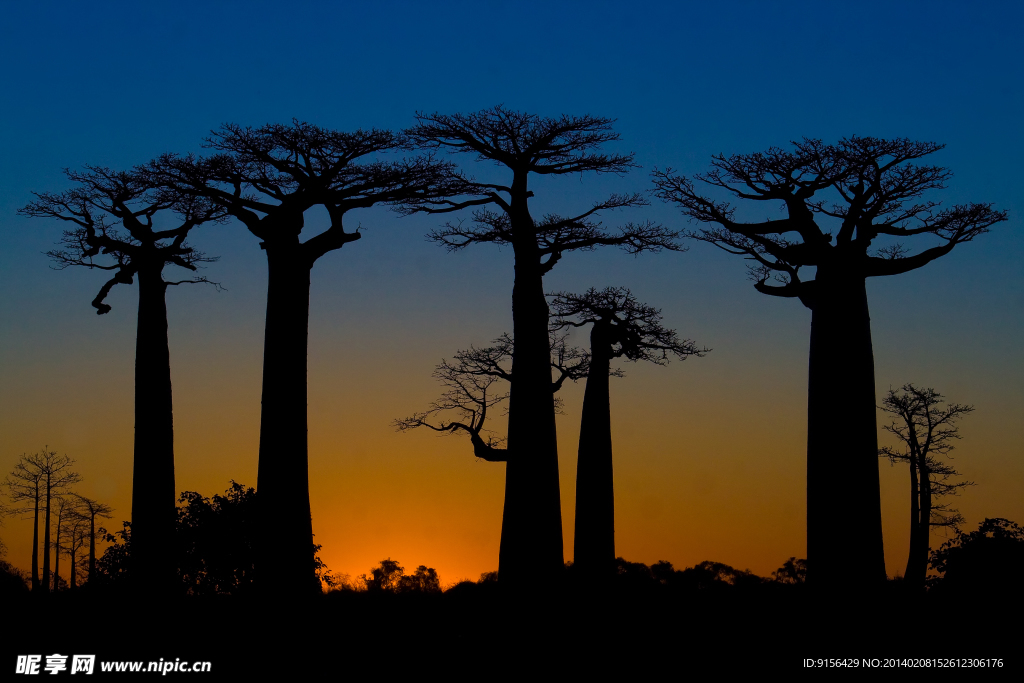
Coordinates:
621 327
926 429
41 479
91 509
840 201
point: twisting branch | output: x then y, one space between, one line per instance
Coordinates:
471 388
103 200
879 191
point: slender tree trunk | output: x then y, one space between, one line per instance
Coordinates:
56 557
46 538
153 511
35 543
594 548
910 576
73 558
92 547
924 526
531 531
844 519
285 536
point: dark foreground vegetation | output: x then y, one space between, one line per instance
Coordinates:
709 617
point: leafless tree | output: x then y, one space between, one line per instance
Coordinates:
926 429
114 217
527 145
91 509
36 482
268 178
621 327
75 537
848 209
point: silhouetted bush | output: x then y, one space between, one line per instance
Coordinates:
987 561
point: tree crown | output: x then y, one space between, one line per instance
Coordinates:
267 177
876 191
630 329
114 229
526 143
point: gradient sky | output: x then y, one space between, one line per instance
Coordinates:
709 452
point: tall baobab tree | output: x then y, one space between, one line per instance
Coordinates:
470 391
114 217
91 509
528 145
267 178
621 327
926 430
848 206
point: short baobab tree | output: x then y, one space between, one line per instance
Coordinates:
620 327
476 381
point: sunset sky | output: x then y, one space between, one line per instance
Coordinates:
709 453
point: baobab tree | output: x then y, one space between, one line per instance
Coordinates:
528 145
115 217
621 327
91 509
38 480
268 178
848 206
926 430
470 391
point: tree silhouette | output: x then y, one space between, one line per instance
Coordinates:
66 514
527 144
115 217
621 327
842 201
926 430
469 391
75 537
40 479
267 178
91 509
26 488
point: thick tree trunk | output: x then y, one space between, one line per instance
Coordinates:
153 495
35 543
844 520
285 535
531 530
594 547
46 539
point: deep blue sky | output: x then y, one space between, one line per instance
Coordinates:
118 83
